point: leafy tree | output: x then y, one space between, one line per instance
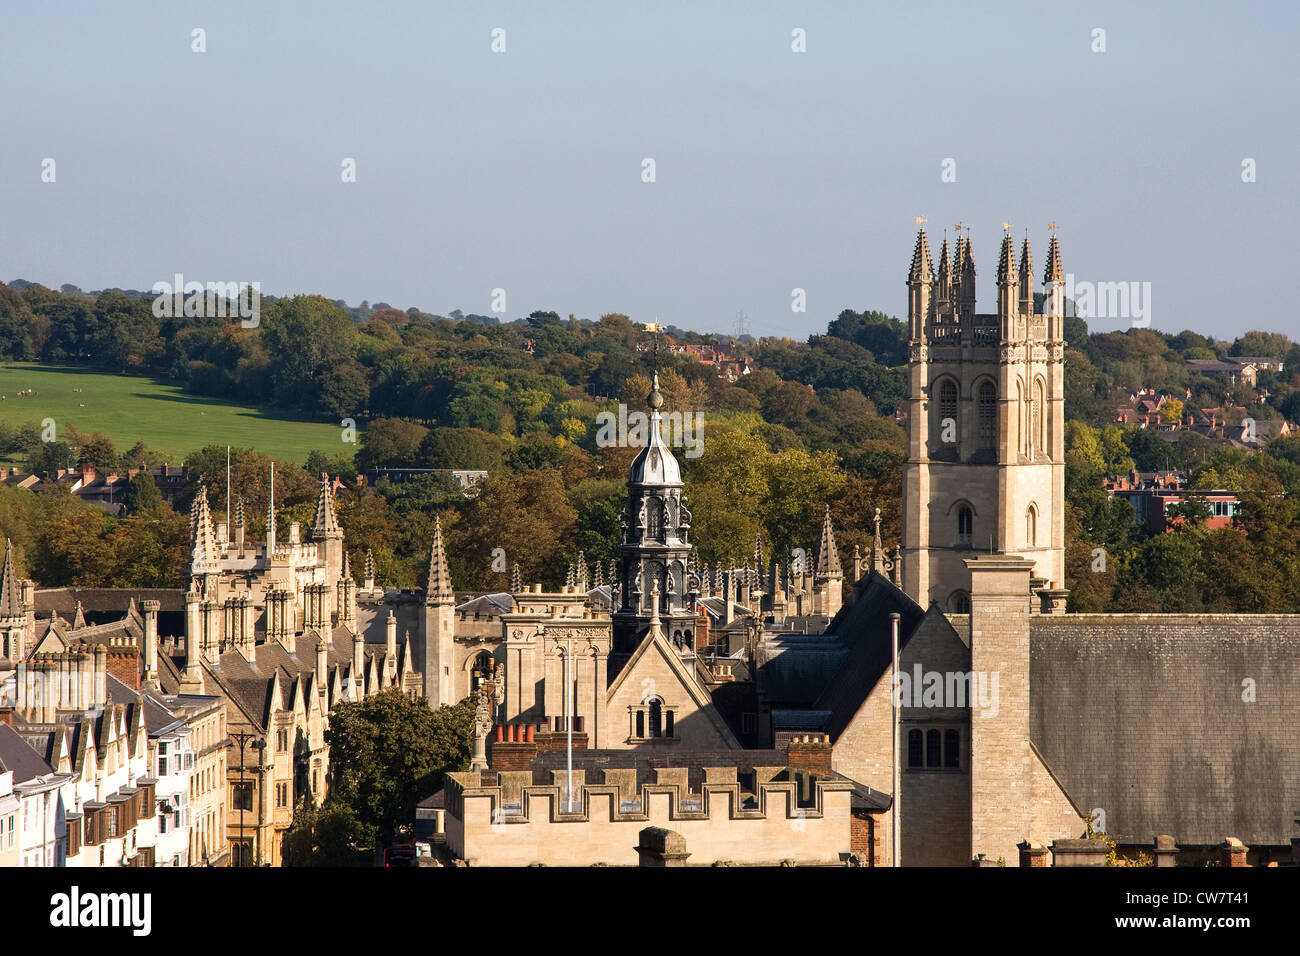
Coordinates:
46 458
388 751
390 443
329 836
142 495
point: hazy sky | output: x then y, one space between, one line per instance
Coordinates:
774 170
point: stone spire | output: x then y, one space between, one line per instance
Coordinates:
1007 261
79 618
347 567
325 523
922 266
370 570
828 558
1008 279
570 579
439 589
516 580
965 279
203 542
945 273
582 571
599 572
968 258
1026 279
1053 272
11 601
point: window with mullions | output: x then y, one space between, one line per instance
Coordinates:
988 416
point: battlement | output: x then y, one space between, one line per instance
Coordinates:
507 819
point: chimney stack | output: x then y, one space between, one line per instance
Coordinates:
151 609
101 676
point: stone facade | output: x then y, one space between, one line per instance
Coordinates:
485 827
985 465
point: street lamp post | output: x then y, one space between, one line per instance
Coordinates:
244 737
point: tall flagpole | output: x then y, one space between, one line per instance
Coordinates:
227 493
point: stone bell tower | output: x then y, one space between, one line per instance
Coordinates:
655 549
985 467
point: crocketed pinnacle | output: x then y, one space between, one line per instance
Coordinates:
11 604
1054 272
1007 261
326 523
922 267
828 558
439 590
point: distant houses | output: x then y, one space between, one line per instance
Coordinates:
104 491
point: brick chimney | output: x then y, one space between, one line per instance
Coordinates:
1031 855
1232 853
124 661
810 752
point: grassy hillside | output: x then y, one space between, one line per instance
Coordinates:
129 409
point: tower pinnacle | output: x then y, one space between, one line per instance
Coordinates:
439 590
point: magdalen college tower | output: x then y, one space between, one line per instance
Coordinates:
655 550
985 468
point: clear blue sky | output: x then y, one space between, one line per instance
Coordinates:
775 170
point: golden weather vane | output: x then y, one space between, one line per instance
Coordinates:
921 219
1051 225
1006 227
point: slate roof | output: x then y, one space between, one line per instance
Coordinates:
64 600
794 669
865 628
491 604
156 716
1142 716
16 755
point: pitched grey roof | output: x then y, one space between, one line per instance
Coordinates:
156 716
1143 716
865 628
16 755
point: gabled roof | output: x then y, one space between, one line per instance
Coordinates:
655 643
865 629
18 756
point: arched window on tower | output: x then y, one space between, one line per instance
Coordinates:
988 415
1031 527
959 602
1036 418
948 427
965 525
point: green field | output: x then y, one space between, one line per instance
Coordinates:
129 409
